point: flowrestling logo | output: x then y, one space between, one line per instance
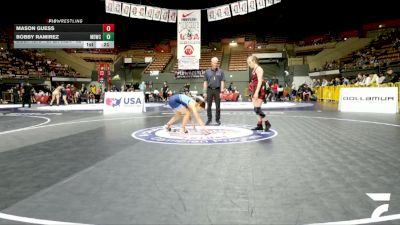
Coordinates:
227 134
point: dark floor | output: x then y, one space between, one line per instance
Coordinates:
83 167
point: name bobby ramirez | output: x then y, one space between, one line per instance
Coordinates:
37 36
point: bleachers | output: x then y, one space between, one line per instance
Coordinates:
380 52
160 61
139 55
25 64
238 58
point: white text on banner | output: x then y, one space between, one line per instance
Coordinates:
123 102
374 100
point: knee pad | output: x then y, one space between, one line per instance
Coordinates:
258 111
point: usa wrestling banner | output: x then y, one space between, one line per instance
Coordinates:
189 39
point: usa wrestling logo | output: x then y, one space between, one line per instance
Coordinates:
227 134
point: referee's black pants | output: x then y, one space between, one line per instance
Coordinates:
213 94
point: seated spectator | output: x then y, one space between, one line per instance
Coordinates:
381 78
156 95
367 80
307 92
391 77
345 81
231 88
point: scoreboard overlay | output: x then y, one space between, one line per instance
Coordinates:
64 36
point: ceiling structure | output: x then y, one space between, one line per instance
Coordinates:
294 19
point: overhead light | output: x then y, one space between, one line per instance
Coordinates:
215 49
233 44
380 26
259 47
345 38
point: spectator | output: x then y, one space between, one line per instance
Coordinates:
391 77
142 86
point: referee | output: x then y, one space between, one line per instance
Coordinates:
214 81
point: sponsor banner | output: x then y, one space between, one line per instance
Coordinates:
189 74
123 102
168 15
373 100
188 63
126 8
189 38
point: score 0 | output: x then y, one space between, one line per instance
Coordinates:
108 32
108 27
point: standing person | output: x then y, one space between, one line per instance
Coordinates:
214 82
64 94
56 95
257 88
27 94
165 90
16 91
92 93
186 89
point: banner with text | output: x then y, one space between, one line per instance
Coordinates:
374 100
123 102
189 39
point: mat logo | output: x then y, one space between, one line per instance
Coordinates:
227 134
113 101
376 215
380 197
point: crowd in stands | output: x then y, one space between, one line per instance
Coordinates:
61 94
331 65
383 51
22 64
362 79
